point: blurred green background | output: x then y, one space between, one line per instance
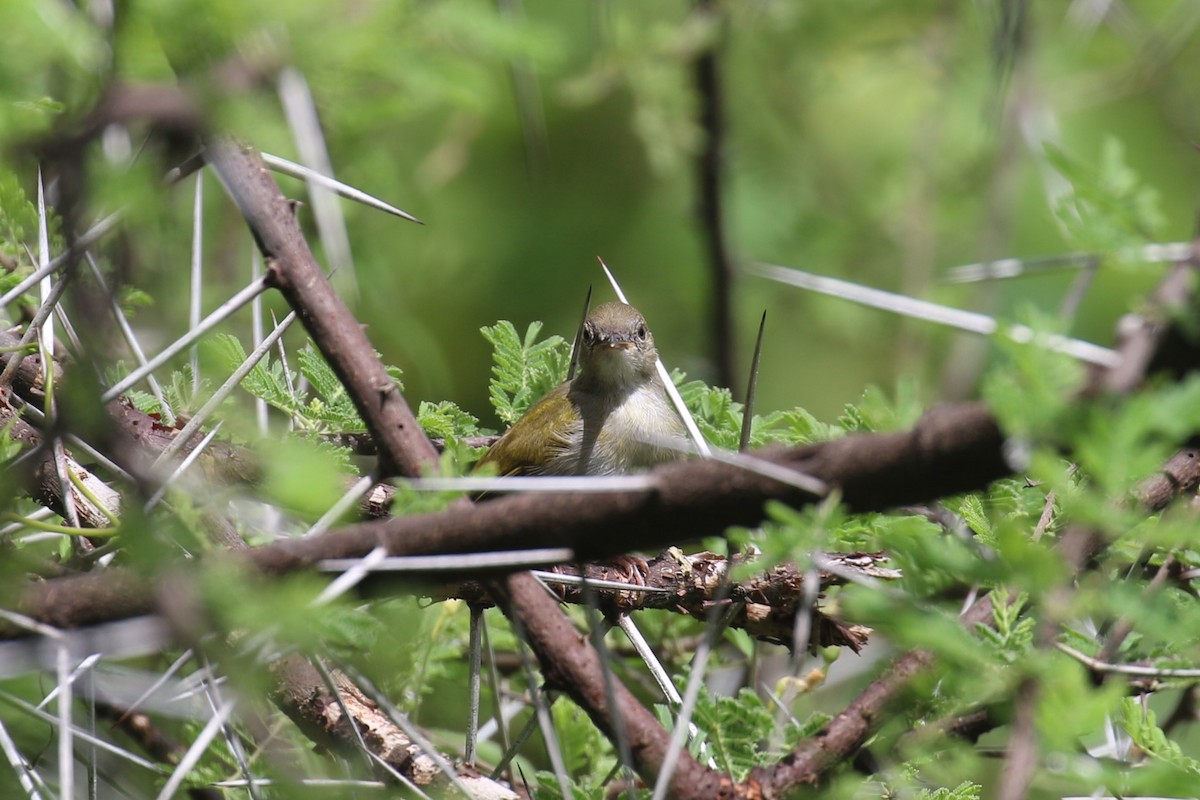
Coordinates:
879 142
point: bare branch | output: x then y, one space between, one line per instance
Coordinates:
291 267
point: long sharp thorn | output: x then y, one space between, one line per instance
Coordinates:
194 752
522 736
541 710
81 243
402 722
19 765
494 680
331 685
197 274
587 305
903 305
66 742
130 338
261 413
301 112
475 660
211 321
598 630
689 421
184 436
751 387
349 192
47 283
83 735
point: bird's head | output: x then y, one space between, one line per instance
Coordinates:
616 349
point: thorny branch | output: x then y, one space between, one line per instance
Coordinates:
953 449
404 448
764 605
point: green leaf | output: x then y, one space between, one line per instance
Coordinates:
717 416
332 405
967 790
1124 444
446 420
304 475
586 753
523 369
733 730
1142 726
1107 209
971 509
803 428
1033 394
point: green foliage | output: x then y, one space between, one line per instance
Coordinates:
429 649
9 448
648 60
971 510
445 420
523 369
739 732
791 534
1011 633
967 790
719 417
61 70
799 427
875 411
306 476
1121 445
18 224
587 755
19 232
1032 395
1070 706
183 394
327 409
287 609
828 101
732 731
1107 209
1142 726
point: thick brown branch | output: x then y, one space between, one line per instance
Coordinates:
571 664
846 733
1141 351
764 605
952 449
303 695
403 447
1149 341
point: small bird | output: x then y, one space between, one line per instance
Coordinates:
612 418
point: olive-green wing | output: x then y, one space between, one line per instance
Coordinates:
537 438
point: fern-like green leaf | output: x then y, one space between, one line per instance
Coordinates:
1142 726
523 369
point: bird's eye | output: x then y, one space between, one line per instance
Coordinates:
641 332
589 334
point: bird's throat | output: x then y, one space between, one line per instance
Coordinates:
614 372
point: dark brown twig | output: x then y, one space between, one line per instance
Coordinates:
765 605
571 664
404 449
